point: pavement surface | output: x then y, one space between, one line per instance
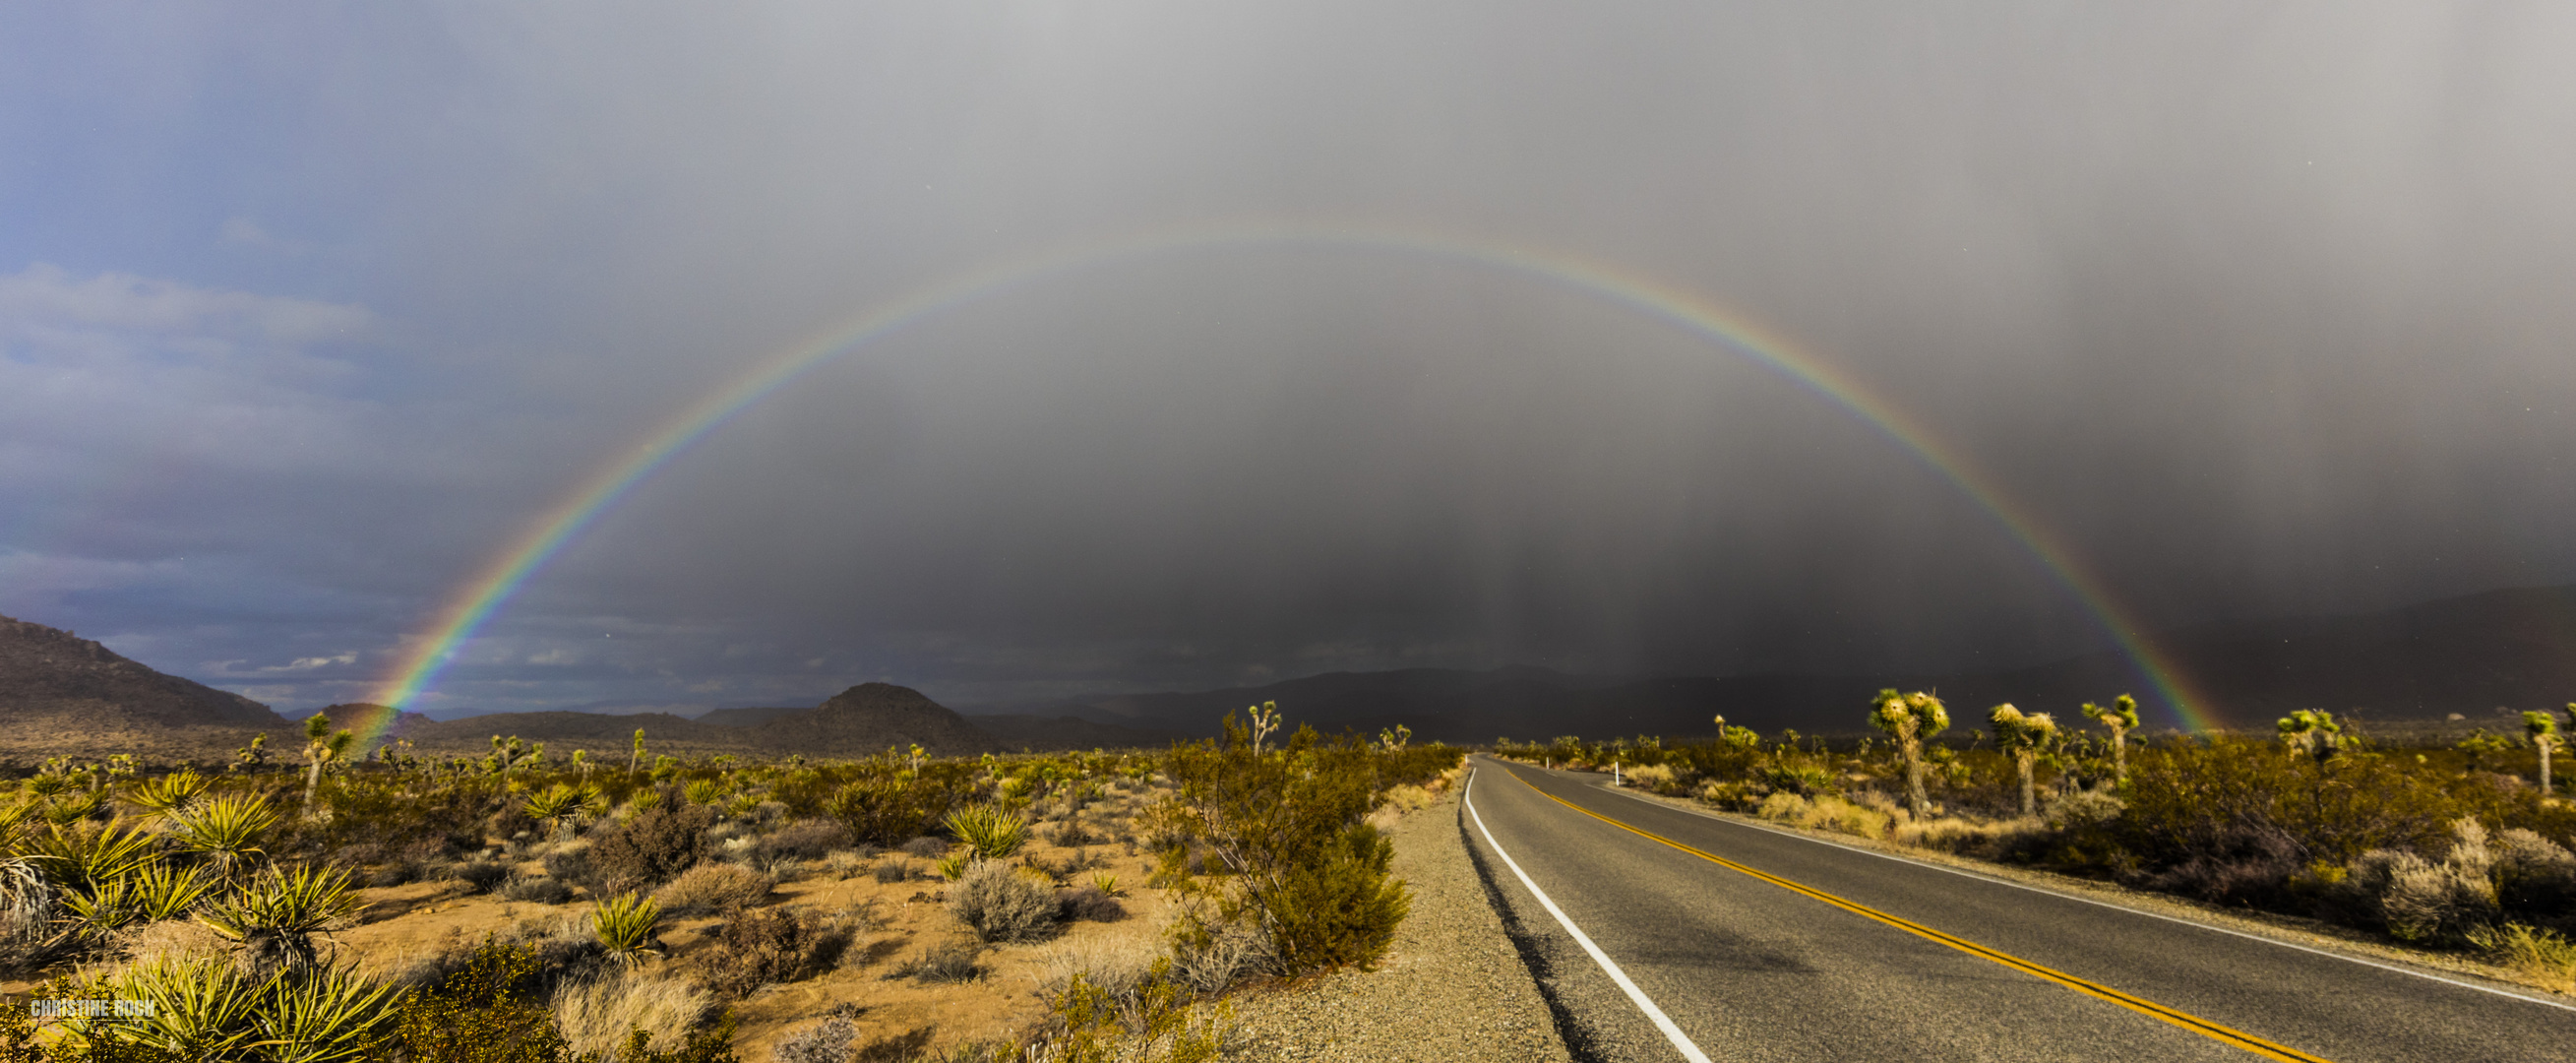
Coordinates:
1804 950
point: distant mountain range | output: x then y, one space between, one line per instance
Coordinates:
63 695
2474 656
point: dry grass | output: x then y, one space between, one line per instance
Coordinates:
1827 812
598 1014
713 888
1967 837
2544 957
1118 965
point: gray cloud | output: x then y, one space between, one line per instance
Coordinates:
2258 311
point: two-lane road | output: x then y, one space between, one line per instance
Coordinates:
1731 942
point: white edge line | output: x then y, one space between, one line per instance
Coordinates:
2509 994
1635 995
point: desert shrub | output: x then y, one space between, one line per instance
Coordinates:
809 839
1155 1021
1288 825
478 876
651 849
569 863
493 1011
599 1015
1785 808
1340 910
828 1041
394 871
925 847
711 888
2535 877
535 890
27 908
1089 904
952 961
894 869
1213 950
1072 832
754 949
887 811
1001 903
564 943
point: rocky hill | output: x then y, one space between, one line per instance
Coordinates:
65 695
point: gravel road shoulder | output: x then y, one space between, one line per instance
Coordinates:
1453 988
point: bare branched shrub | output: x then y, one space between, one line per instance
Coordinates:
894 869
754 949
1089 904
651 849
828 1041
1000 903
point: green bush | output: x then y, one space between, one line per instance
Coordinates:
493 1011
1286 827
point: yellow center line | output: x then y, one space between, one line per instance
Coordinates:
2149 1008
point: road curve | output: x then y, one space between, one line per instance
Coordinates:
1809 951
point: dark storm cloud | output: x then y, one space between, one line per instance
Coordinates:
2261 310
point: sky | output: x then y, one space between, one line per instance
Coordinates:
1257 343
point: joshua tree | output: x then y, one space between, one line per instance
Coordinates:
1909 718
2024 737
2545 738
2121 718
635 760
322 747
1394 739
2313 732
1265 719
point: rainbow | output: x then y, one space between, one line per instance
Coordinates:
421 659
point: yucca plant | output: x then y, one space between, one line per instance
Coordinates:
326 1015
275 915
2024 737
72 807
162 890
704 792
95 914
1910 719
993 831
1106 882
953 866
167 794
78 857
627 926
227 830
559 805
202 1008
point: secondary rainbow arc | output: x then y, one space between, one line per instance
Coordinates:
421 660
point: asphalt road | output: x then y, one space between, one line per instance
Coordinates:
1747 969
